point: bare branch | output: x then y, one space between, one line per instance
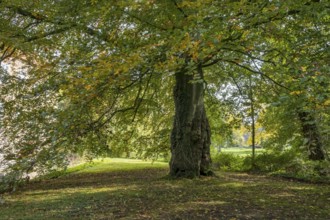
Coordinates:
258 72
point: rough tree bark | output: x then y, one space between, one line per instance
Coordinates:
190 138
312 135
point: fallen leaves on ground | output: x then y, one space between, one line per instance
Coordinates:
145 194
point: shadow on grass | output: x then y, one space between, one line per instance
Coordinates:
144 194
98 179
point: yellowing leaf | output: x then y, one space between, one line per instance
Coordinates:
295 92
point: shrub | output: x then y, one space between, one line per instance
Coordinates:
269 161
228 162
308 170
11 180
286 164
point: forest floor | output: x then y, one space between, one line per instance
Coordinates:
131 189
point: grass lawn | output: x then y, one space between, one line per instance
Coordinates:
241 151
133 189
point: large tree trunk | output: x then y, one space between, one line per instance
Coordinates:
190 139
312 136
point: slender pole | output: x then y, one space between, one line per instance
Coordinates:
253 123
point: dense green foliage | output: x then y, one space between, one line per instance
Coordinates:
95 77
287 164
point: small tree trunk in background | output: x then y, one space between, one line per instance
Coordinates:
190 138
312 135
253 124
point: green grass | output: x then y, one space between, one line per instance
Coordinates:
133 189
115 164
106 165
241 151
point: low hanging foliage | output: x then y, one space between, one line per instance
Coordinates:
95 77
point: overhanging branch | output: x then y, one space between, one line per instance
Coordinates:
257 72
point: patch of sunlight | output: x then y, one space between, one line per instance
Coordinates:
232 184
241 174
282 195
36 196
207 203
119 164
51 195
92 190
170 185
127 160
301 187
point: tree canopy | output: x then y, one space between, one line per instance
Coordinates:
94 76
